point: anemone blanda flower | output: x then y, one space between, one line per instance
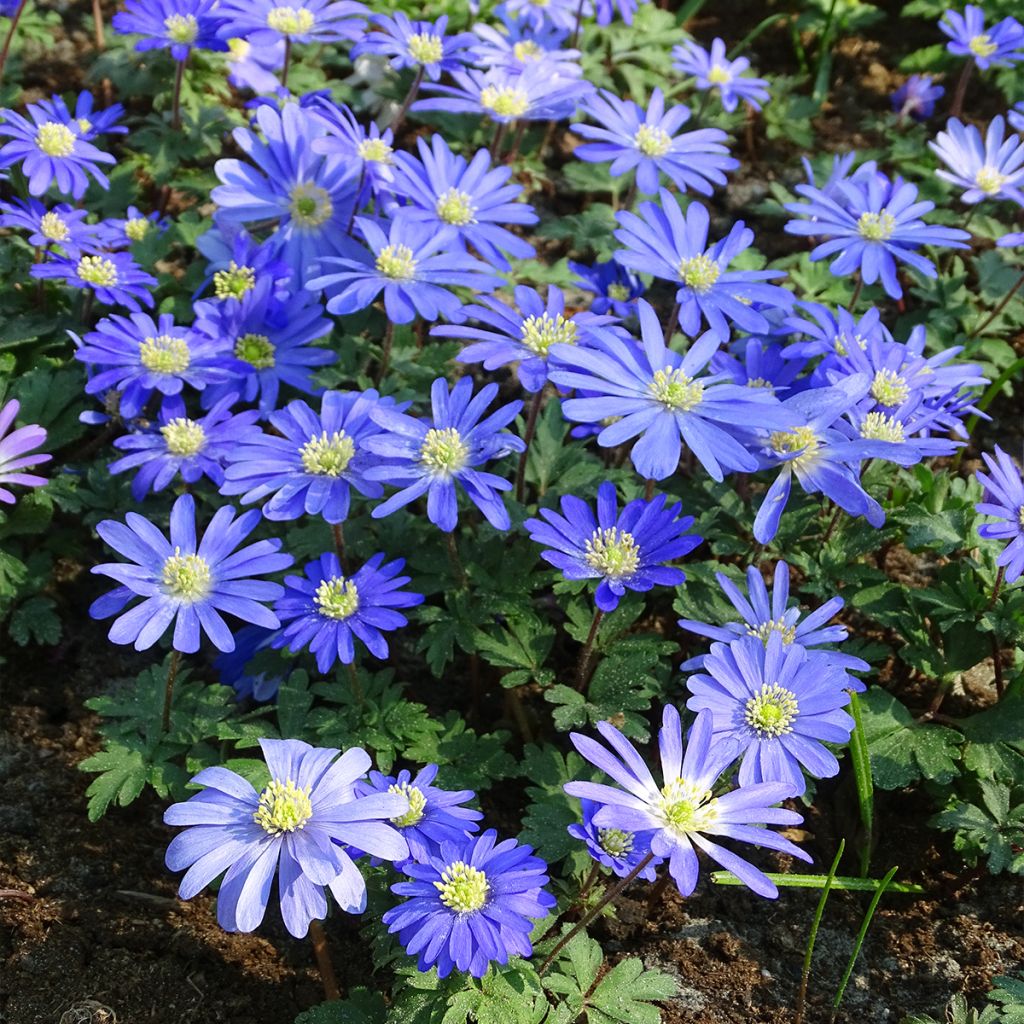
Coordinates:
682 811
1004 500
367 147
651 143
187 582
872 223
176 25
311 462
434 816
14 452
85 119
777 705
657 394
263 22
233 666
412 263
668 243
416 44
916 97
713 70
445 191
625 550
987 168
429 457
832 332
51 152
179 446
759 364
60 225
134 226
255 67
605 10
297 827
541 15
998 46
472 903
327 611
114 278
239 264
515 46
521 334
617 849
615 287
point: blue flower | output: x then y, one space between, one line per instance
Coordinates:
625 550
872 223
626 8
657 394
415 44
255 66
114 278
86 121
988 168
263 22
673 245
615 288
365 147
176 25
239 265
233 666
311 462
916 97
61 225
650 142
777 705
832 333
188 583
714 70
434 815
998 46
134 226
759 364
14 452
328 611
294 827
521 334
620 851
412 263
51 152
682 811
543 15
515 46
1015 115
430 457
471 904
444 191
1004 500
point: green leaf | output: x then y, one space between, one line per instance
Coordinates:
293 703
360 1006
995 741
509 994
35 620
524 642
467 760
123 774
551 811
993 827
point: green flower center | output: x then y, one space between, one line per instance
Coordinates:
327 455
989 180
443 451
463 888
613 553
186 577
876 227
803 440
255 349
455 207
283 807
290 21
765 630
55 139
417 805
675 390
234 282
136 228
877 426
982 45
165 354
699 273
396 262
683 807
53 227
889 388
425 48
526 49
336 598
505 100
770 712
375 151
618 292
181 28
96 270
183 437
719 75
539 333
615 842
652 140
309 204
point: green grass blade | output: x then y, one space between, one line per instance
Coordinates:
840 882
865 783
760 27
805 974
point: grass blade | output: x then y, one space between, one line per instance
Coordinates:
840 882
865 783
805 974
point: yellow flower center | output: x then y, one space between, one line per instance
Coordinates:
375 151
53 227
186 577
803 440
760 382
652 140
505 100
327 455
290 21
613 553
238 49
765 630
396 262
876 227
336 598
455 207
443 451
136 228
618 292
982 45
84 125
771 711
165 354
539 333
309 204
183 437
181 28
463 888
889 388
417 805
684 808
877 426
989 180
55 139
283 807
234 282
526 50
615 842
699 273
257 350
675 390
96 270
425 48
719 75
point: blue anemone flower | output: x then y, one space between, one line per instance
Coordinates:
255 66
327 611
14 452
431 456
605 10
625 550
1004 500
176 25
264 22
988 168
515 46
713 70
997 47
233 666
917 97
615 287
188 582
61 225
416 44
366 147
239 264
759 364
543 15
134 226
832 333
614 848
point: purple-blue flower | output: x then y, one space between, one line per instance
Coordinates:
625 550
114 278
89 123
61 225
134 226
263 22
614 848
233 666
759 364
1004 500
176 25
415 44
255 67
296 827
615 287
365 147
515 46
542 15
916 97
327 611
714 70
14 452
188 582
998 46
988 168
470 904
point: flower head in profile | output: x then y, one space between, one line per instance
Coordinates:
987 168
916 97
416 44
682 811
617 849
180 26
15 449
255 67
429 457
625 550
327 610
615 287
777 705
997 46
713 70
296 827
186 580
264 22
1003 500
470 904
114 278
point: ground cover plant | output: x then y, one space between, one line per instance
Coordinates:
490 488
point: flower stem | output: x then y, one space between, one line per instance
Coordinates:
357 687
588 882
456 563
97 19
355 202
649 489
323 961
408 101
627 203
610 895
9 38
172 674
385 353
339 546
995 590
531 429
831 525
575 37
179 79
287 61
499 137
957 107
583 667
856 292
1004 302
673 322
